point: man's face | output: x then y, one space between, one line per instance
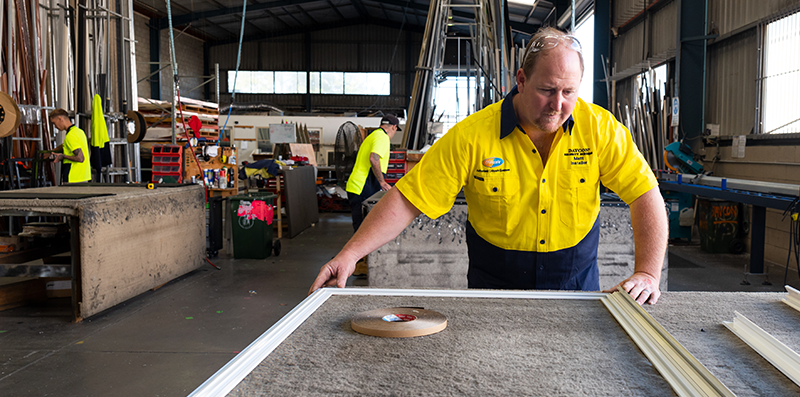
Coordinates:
550 93
390 130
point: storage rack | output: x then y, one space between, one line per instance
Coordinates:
167 163
397 166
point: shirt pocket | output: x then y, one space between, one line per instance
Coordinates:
498 197
577 197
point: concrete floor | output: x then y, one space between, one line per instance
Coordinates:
169 341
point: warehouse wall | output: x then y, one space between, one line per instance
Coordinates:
189 51
645 39
731 81
731 102
348 49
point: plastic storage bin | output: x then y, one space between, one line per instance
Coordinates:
251 221
719 224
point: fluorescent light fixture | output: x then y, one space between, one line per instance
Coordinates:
524 2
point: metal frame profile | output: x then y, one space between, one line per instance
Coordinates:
781 356
792 298
683 372
686 375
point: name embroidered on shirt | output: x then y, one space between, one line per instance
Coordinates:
579 155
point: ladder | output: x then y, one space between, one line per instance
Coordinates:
488 62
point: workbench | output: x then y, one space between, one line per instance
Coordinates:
124 239
504 343
759 201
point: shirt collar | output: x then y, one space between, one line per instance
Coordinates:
508 118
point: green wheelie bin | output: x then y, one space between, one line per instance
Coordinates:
251 221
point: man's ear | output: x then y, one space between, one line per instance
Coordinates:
521 80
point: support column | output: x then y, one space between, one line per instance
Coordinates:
206 70
602 46
155 56
307 45
691 73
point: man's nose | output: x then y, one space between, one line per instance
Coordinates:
557 101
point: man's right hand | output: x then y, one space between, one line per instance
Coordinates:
333 273
385 186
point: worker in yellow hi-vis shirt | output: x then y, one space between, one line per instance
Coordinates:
74 152
372 162
530 167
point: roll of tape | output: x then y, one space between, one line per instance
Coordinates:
10 115
140 127
399 322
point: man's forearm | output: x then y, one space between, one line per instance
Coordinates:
375 163
650 232
386 220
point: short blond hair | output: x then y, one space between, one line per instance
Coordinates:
58 113
530 57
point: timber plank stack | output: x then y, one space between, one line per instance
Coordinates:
158 115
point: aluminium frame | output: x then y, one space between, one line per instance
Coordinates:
792 298
779 355
682 371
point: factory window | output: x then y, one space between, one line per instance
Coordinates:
251 82
341 83
290 82
348 83
781 82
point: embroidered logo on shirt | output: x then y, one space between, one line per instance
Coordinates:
579 155
492 162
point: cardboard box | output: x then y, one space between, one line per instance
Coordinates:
13 243
58 287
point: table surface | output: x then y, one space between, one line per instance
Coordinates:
522 346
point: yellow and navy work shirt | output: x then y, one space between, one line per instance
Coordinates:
377 142
76 139
530 225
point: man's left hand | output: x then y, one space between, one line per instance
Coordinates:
56 157
642 287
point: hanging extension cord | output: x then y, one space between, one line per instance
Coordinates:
236 73
794 245
180 106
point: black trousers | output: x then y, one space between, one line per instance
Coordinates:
65 172
371 186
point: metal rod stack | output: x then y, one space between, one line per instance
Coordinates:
648 119
24 76
485 55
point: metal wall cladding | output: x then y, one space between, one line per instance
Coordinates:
731 84
627 49
625 10
653 36
664 29
361 48
726 16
